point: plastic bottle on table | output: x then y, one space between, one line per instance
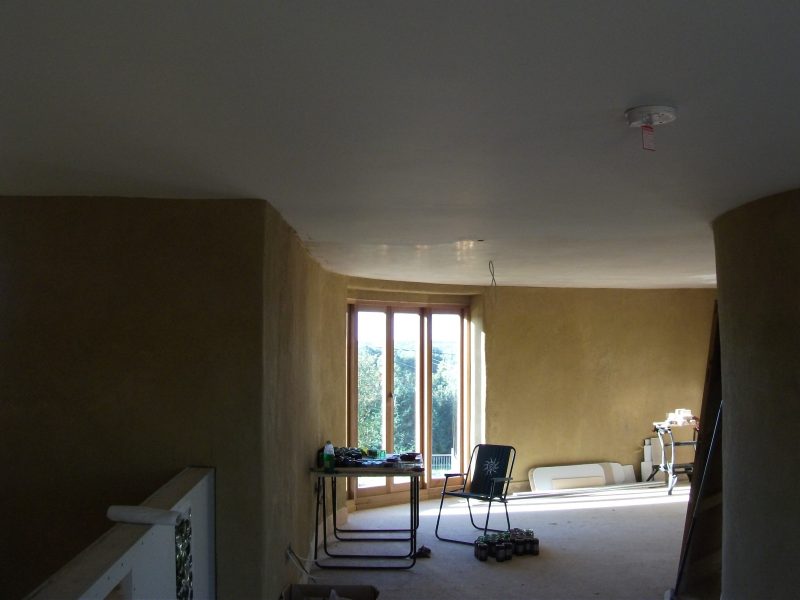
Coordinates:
328 457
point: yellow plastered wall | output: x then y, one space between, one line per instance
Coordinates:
140 336
579 375
304 395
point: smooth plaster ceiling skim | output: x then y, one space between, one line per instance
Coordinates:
393 135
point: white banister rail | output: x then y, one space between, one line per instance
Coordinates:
139 561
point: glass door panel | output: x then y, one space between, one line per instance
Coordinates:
406 385
371 343
445 393
405 394
408 369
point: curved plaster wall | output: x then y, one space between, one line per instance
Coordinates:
579 375
758 274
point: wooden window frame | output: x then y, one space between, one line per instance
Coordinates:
424 417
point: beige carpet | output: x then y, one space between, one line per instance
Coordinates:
610 545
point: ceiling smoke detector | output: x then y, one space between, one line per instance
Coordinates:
650 115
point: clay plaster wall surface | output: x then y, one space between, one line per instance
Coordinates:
579 375
304 394
758 258
140 336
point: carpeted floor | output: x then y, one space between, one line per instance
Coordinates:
612 545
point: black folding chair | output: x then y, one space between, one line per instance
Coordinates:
486 479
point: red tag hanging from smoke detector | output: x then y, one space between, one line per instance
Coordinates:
648 138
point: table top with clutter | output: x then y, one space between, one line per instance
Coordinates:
368 461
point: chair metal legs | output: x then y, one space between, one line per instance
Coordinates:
436 531
488 514
485 528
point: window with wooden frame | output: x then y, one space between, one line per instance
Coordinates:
407 386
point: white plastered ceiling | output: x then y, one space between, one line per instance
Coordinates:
393 136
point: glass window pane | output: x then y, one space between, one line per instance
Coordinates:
406 382
445 384
371 386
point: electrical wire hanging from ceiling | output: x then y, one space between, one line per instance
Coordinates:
493 283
